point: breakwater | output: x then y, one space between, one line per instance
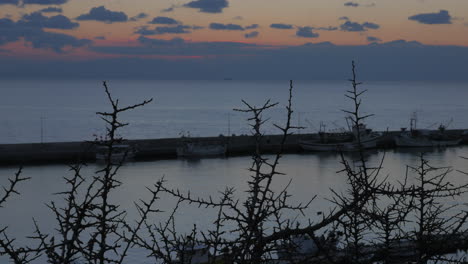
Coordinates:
153 149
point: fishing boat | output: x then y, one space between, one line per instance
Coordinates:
192 149
120 153
422 138
368 140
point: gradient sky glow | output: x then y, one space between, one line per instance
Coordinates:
361 23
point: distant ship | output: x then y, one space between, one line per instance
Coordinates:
228 79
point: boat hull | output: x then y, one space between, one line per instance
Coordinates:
369 143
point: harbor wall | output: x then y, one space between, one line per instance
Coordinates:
153 149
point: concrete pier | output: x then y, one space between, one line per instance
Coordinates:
153 149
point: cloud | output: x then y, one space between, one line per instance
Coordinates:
373 39
396 60
443 17
370 25
253 26
238 18
352 4
55 41
281 26
303 31
38 20
180 47
9 2
160 42
51 10
208 6
252 34
32 2
164 20
9 31
100 37
44 2
330 28
306 32
169 9
343 18
356 27
179 29
34 35
104 15
139 16
401 43
219 26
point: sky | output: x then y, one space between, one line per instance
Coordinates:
255 39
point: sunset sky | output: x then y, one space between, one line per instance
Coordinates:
181 31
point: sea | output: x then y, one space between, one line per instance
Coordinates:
58 110
33 111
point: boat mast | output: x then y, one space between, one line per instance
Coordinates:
413 121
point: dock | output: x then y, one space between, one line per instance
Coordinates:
165 148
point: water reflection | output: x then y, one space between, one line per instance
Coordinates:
312 174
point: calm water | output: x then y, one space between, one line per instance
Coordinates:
204 108
311 174
67 109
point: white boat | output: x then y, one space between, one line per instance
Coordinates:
368 143
368 140
190 149
120 153
423 138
